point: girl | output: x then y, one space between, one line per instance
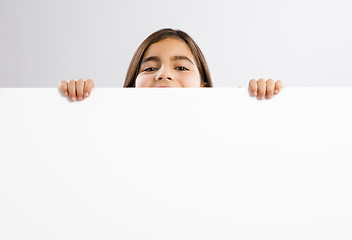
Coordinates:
168 58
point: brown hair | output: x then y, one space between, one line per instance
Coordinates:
159 35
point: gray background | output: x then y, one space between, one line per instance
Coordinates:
302 42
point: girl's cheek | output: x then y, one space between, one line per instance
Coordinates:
190 80
139 81
144 81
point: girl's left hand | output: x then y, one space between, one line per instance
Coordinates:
264 88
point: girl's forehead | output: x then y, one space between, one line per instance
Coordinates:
169 47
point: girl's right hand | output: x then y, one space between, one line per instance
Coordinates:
77 90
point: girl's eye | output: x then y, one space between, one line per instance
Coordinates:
183 68
147 69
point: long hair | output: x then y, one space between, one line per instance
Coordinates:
159 35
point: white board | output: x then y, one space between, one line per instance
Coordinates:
176 164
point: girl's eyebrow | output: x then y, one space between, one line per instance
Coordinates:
174 58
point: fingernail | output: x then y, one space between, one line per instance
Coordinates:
86 94
261 97
66 93
254 93
72 98
276 91
79 98
270 96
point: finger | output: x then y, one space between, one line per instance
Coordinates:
79 88
63 87
253 87
270 85
88 87
261 88
278 86
72 89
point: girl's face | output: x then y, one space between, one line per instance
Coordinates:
170 63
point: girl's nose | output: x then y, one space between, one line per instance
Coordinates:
165 74
161 78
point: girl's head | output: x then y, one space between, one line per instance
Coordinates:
168 58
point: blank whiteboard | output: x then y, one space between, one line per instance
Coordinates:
149 163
